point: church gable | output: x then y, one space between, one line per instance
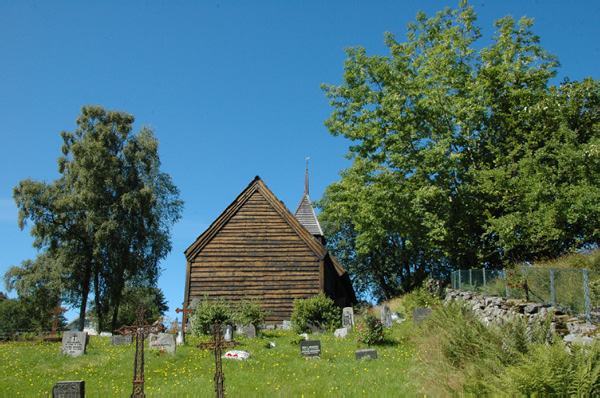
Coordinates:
256 249
254 253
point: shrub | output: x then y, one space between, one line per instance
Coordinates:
251 311
370 330
207 311
418 298
318 309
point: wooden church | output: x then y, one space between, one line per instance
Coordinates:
258 249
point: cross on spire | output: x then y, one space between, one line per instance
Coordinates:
140 329
306 178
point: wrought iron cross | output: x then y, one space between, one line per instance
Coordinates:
56 311
216 345
186 310
140 329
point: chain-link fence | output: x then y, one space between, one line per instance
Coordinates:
575 290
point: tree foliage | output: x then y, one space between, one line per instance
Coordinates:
151 297
461 157
106 220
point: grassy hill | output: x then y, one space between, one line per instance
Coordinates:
32 368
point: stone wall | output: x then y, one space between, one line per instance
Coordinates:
499 310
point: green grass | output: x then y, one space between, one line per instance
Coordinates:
32 369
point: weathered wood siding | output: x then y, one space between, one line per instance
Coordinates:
256 254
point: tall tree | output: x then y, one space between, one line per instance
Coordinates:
107 219
439 128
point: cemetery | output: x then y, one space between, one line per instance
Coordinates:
276 364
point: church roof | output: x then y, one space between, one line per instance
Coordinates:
257 185
305 213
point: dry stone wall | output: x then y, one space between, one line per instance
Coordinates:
499 310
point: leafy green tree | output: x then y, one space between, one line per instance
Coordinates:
448 141
107 219
151 297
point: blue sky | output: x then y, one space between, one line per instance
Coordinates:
232 89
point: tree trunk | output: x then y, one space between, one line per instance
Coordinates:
85 291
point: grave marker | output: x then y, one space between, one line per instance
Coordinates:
228 332
69 389
56 311
249 330
386 316
310 348
140 329
74 343
371 353
120 339
163 342
186 310
348 317
217 345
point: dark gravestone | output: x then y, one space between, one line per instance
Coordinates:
249 331
310 348
421 314
74 343
120 339
371 353
69 389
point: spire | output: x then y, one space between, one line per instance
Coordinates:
305 213
306 178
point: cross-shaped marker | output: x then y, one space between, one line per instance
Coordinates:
140 329
217 344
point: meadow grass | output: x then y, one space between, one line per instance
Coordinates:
32 368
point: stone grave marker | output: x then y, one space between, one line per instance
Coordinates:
310 348
119 339
421 314
341 333
386 316
228 332
249 330
162 341
371 353
348 317
180 338
69 389
74 343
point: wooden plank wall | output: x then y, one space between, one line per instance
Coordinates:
256 255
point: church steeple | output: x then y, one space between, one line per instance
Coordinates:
305 213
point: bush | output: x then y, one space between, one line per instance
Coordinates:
418 298
251 311
318 309
206 312
370 330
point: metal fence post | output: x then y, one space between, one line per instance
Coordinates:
552 291
505 285
525 280
484 282
459 280
470 279
586 293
